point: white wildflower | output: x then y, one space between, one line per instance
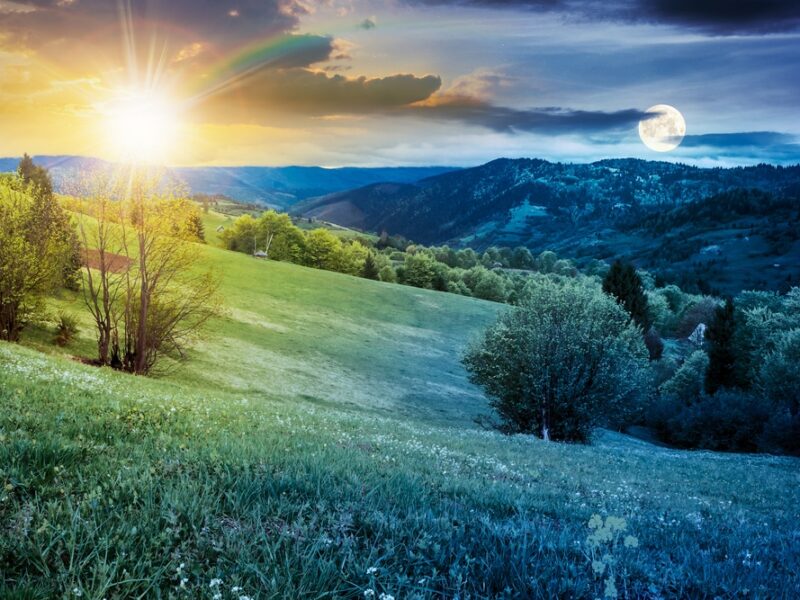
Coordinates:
386 597
214 582
369 594
372 570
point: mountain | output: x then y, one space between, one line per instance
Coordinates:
279 187
596 211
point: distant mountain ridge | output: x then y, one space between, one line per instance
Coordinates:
589 211
279 187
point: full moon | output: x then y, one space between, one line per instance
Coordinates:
664 132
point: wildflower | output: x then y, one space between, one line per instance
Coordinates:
77 592
214 582
386 597
372 570
369 594
245 598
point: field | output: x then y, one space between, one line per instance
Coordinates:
319 444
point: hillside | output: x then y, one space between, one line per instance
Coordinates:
279 187
320 446
586 211
392 350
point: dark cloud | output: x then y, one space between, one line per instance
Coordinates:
261 95
368 23
718 17
746 139
548 120
50 26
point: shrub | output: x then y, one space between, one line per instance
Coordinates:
729 420
654 344
66 328
563 361
387 274
781 434
686 385
779 376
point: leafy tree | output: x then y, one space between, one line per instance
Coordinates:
388 274
320 249
561 363
521 258
370 269
419 271
623 283
144 290
37 250
686 385
779 376
722 358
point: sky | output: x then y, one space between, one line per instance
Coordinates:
400 82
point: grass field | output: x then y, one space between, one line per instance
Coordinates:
319 444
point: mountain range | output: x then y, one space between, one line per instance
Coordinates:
717 240
276 187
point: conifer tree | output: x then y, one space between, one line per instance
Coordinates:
624 283
721 335
370 269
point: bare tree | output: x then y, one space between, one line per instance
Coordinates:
145 289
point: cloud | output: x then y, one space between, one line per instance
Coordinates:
65 31
746 139
258 97
368 23
717 17
547 120
746 146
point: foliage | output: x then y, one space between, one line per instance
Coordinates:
721 335
623 283
779 375
730 420
66 328
370 268
687 384
37 252
561 363
146 295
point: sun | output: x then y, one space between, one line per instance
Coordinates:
141 126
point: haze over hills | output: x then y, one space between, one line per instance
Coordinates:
596 211
278 187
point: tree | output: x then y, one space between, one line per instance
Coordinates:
419 271
320 249
370 269
278 237
149 299
686 385
779 376
36 252
623 283
561 363
722 359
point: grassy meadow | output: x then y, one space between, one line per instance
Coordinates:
319 443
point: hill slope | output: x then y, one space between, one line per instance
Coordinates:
318 444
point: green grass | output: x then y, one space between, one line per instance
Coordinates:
321 430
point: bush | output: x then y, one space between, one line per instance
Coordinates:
686 385
561 363
654 344
781 434
66 328
387 274
728 420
